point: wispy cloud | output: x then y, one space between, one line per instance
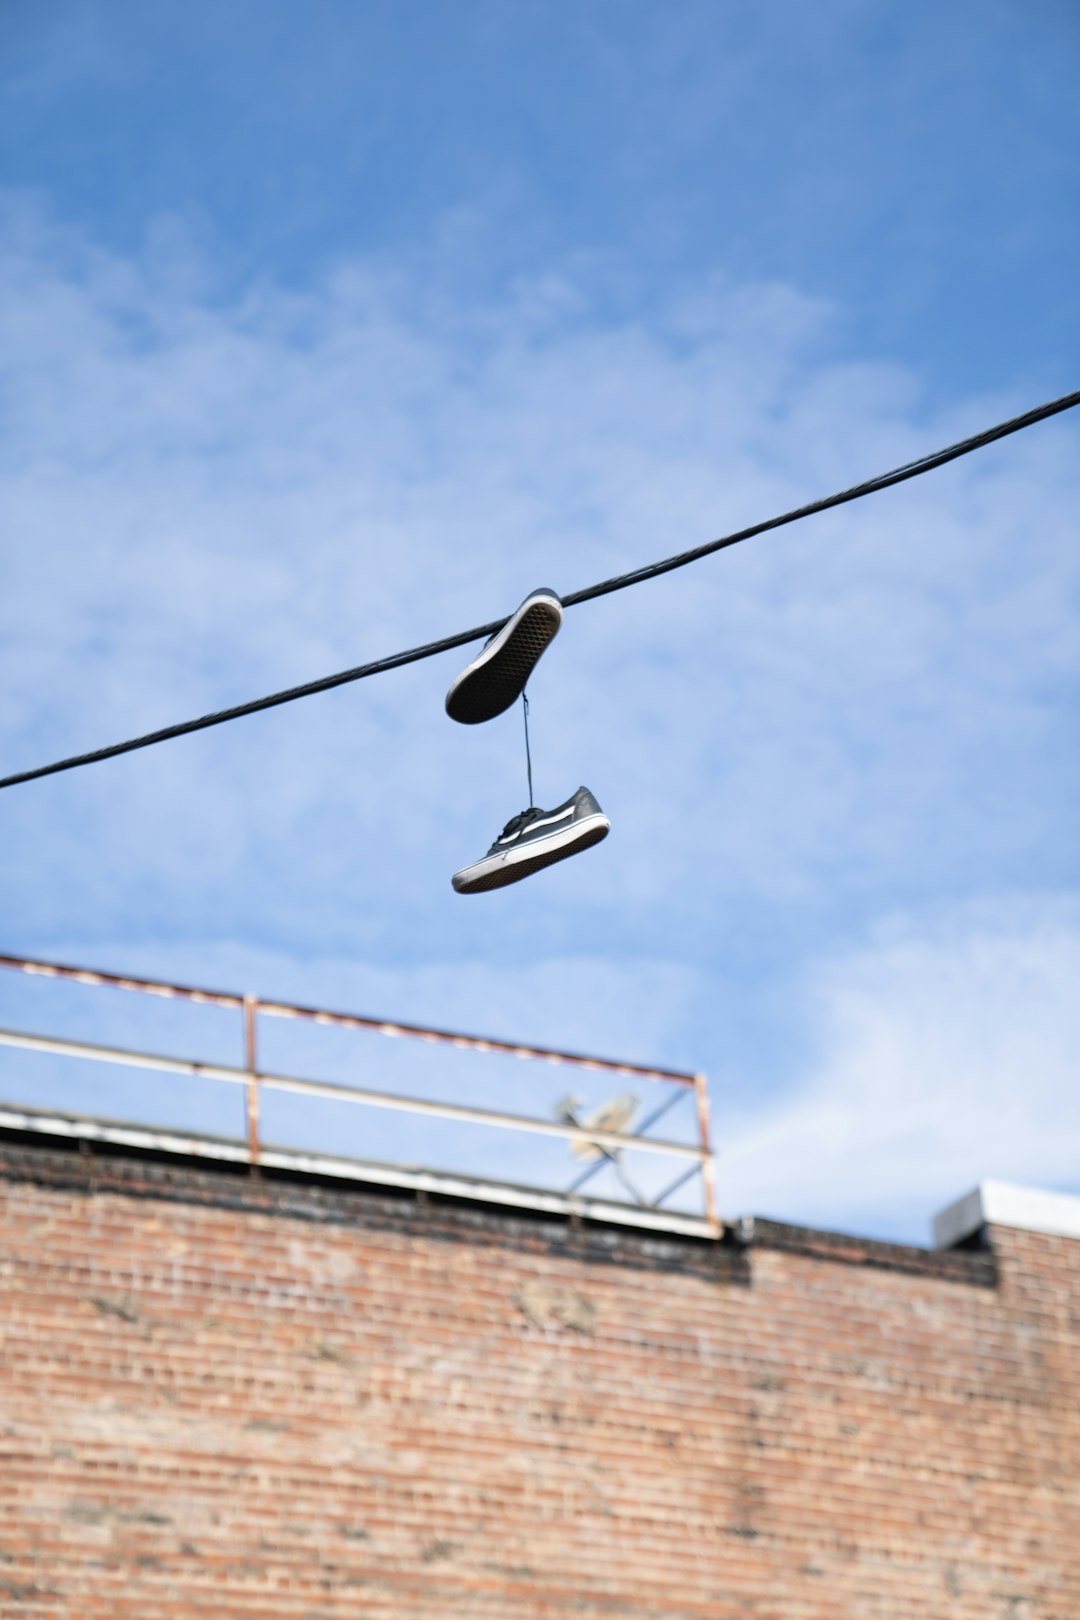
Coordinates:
207 497
948 1053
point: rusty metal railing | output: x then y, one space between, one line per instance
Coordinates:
255 1081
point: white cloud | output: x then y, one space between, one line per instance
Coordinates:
949 1054
206 498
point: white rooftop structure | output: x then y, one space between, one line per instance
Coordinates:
1003 1203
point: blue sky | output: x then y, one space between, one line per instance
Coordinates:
326 335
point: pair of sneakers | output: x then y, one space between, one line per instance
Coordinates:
494 680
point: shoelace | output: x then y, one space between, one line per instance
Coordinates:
528 754
518 823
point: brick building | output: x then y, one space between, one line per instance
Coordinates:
274 1396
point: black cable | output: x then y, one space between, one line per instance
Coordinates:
379 666
899 475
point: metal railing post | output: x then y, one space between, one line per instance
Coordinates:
251 1007
708 1164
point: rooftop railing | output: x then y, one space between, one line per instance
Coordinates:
592 1139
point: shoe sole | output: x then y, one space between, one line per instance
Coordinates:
498 677
509 870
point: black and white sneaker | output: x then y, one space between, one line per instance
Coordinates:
533 839
496 677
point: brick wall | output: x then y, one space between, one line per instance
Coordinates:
224 1397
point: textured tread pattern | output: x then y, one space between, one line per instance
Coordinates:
499 682
503 875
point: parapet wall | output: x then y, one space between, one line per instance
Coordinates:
266 1398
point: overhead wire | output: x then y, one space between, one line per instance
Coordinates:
619 582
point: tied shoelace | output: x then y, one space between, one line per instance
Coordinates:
518 822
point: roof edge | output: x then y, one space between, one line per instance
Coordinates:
52 1129
844 1248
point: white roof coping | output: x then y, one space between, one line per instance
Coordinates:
1002 1203
412 1177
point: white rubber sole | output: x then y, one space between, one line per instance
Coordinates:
497 677
495 871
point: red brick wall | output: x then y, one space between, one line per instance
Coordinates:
227 1398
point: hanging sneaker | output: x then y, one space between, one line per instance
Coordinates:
496 677
533 839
